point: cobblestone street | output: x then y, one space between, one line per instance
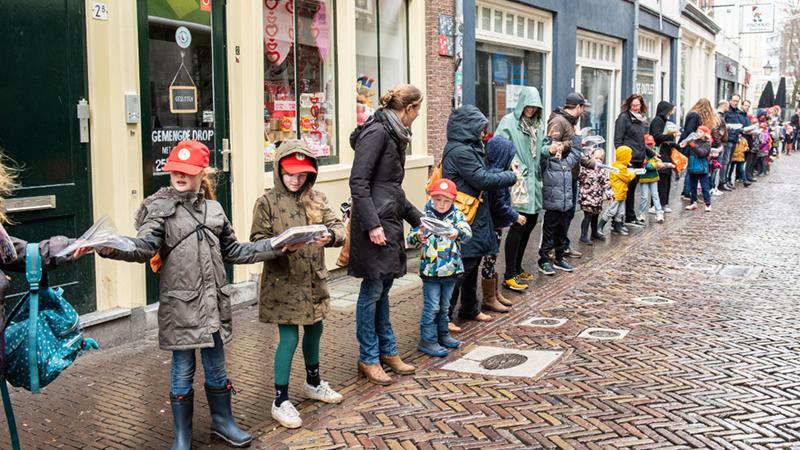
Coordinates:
714 362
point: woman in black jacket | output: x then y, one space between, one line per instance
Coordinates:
665 143
629 129
464 162
377 247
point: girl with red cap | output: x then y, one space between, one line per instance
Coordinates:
698 167
294 288
188 230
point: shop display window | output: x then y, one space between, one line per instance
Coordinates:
596 87
646 83
381 51
501 73
299 81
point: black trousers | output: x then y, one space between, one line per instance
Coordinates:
554 235
516 243
630 213
750 159
467 287
664 185
589 219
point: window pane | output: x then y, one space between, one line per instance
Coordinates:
520 26
394 44
280 105
366 59
531 28
540 35
510 24
498 21
596 87
315 70
486 19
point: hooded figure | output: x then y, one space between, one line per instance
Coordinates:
294 287
619 180
664 142
500 153
464 162
528 135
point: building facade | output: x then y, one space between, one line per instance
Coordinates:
698 76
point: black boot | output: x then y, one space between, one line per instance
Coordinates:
182 409
222 424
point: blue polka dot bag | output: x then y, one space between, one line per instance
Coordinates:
42 333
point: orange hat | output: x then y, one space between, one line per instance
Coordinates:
189 157
649 140
704 129
295 163
444 187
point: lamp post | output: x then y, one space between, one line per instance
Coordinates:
767 69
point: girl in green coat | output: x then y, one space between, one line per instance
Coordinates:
526 129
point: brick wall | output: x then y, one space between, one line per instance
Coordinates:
440 78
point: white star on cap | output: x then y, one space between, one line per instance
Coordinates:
443 186
184 154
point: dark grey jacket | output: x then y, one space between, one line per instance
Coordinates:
557 178
194 291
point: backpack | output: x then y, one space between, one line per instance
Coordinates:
42 333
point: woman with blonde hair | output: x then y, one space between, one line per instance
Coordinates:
377 245
701 114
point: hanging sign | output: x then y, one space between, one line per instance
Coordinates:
205 5
182 99
758 18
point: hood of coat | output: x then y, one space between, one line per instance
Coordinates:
500 152
624 155
561 112
528 96
663 109
465 125
285 149
169 195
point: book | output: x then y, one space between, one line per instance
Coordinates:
305 234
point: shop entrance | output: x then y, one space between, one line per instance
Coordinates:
43 82
184 90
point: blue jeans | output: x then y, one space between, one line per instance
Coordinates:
373 328
704 181
183 367
648 191
436 293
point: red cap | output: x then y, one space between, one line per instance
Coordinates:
189 157
649 140
295 163
444 187
704 129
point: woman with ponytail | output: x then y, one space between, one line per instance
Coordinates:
294 287
377 247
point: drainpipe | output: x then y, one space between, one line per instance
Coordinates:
635 42
458 50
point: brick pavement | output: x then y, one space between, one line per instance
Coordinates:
716 369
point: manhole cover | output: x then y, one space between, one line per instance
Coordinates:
544 322
503 361
603 333
653 301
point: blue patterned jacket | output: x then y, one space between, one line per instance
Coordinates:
441 257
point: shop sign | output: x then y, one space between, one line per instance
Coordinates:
726 68
758 18
205 5
164 139
446 31
182 99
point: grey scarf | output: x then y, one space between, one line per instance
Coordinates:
400 130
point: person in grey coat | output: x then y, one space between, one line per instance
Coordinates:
557 197
191 239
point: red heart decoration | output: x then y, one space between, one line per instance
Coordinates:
271 30
270 4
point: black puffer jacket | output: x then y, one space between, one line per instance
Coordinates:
376 184
665 142
630 131
464 162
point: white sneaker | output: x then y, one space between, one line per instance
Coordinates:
691 207
660 217
708 208
287 415
667 209
716 192
652 210
323 393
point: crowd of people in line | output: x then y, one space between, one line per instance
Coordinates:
530 168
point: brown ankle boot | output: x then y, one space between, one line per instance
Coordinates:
453 328
397 365
490 302
498 292
374 373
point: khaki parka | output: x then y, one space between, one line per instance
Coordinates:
294 287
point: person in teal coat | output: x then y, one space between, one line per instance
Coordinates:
525 127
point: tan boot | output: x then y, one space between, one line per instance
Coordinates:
453 328
498 292
482 317
490 302
397 365
374 373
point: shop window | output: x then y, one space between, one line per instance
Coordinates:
501 73
381 52
646 82
596 87
299 83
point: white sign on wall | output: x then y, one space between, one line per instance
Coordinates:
758 18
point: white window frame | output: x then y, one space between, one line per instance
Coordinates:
542 19
656 48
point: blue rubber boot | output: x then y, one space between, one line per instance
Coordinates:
222 423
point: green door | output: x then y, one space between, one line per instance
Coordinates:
184 89
42 81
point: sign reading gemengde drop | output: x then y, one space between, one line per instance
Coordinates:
758 18
182 99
